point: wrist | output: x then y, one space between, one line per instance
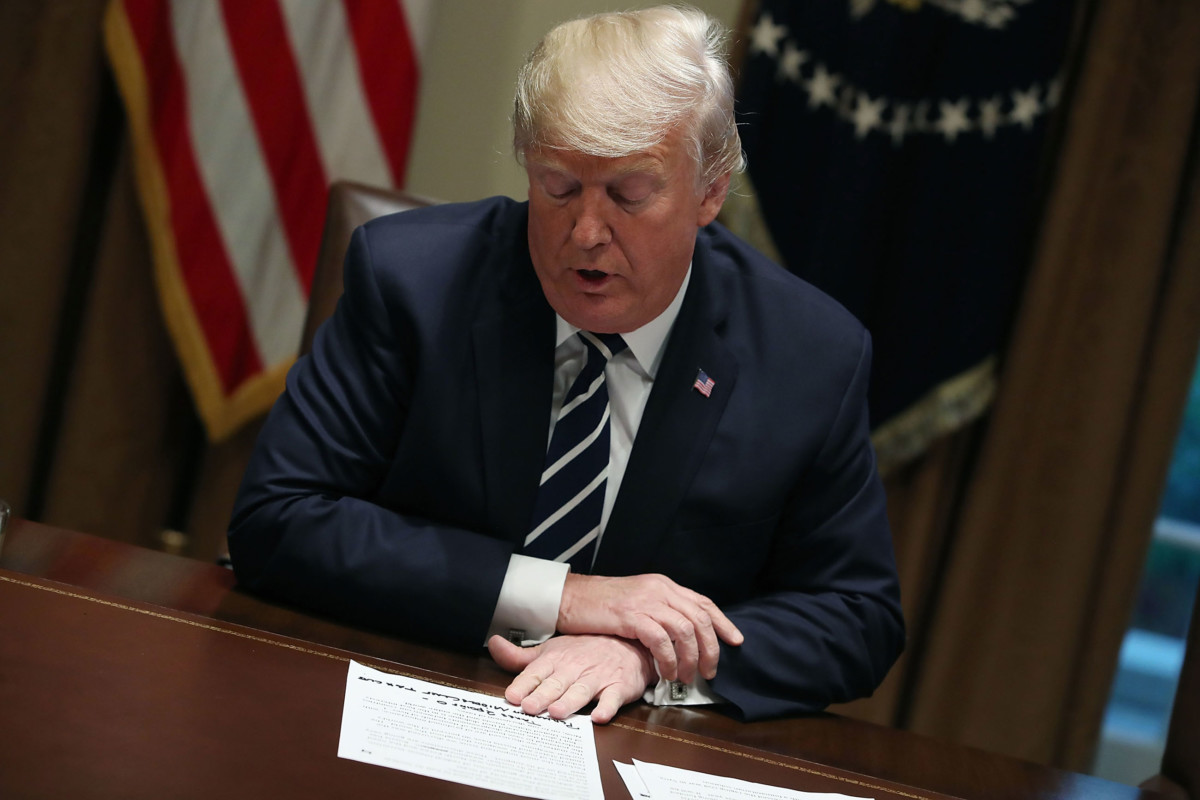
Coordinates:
566 605
648 667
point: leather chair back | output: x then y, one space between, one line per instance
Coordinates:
350 205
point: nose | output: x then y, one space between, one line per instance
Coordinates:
591 222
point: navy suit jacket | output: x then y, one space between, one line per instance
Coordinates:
397 474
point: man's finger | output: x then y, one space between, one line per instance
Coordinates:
723 626
687 651
709 625
550 689
529 681
607 705
728 632
577 695
658 641
569 672
709 648
519 659
510 656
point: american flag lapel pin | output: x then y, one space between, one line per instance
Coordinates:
703 384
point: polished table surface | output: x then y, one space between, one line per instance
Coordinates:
126 672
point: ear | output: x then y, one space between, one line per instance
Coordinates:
714 198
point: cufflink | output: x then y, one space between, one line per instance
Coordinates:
679 691
516 636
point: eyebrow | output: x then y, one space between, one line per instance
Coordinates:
648 168
646 164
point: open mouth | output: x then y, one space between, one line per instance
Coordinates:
592 275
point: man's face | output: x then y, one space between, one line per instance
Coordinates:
611 238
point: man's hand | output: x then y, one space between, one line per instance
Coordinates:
565 673
678 626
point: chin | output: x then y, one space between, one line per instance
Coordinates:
597 320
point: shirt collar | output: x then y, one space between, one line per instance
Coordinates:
647 342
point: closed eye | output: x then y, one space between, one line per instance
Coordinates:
633 190
629 201
557 186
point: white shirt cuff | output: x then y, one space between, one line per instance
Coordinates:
527 609
677 693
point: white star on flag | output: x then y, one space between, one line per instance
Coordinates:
998 17
789 64
868 114
990 116
822 88
1026 107
973 10
766 35
953 119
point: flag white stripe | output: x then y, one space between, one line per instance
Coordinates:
568 456
567 506
418 14
344 127
236 179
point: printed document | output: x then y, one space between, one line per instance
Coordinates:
466 737
657 782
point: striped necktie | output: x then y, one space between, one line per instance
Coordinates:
570 501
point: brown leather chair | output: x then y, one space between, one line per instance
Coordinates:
1180 776
350 205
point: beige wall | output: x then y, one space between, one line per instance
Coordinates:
469 65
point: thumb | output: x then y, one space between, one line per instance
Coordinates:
510 656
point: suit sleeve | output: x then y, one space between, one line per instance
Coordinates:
826 625
308 526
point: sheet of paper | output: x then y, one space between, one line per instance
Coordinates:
466 737
633 781
660 782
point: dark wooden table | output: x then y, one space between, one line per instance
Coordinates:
130 673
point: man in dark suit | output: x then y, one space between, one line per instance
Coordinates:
733 545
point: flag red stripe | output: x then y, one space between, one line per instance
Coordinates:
206 269
271 83
387 64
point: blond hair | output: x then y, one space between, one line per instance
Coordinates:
611 85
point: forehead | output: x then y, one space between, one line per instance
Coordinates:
669 158
573 162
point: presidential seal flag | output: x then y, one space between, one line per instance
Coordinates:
241 114
895 147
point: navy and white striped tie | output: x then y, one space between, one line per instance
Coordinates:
570 502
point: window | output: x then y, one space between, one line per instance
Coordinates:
1139 708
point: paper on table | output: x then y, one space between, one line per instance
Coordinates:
466 737
660 782
633 781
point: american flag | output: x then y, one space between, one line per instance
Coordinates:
703 384
241 113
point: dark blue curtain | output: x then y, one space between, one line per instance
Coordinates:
895 149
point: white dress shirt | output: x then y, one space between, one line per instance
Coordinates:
532 589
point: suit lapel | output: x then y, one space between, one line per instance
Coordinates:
675 430
514 368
